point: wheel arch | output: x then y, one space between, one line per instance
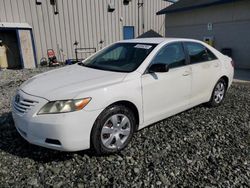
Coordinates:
129 105
226 79
132 107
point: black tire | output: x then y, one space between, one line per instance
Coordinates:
96 134
214 101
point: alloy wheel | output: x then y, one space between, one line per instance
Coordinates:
219 92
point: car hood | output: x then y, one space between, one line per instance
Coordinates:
68 82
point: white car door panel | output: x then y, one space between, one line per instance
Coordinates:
204 78
205 72
165 94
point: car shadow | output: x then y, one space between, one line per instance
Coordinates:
11 142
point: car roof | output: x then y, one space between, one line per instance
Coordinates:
156 40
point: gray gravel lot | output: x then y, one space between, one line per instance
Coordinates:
199 147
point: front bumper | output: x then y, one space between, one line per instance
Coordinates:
68 131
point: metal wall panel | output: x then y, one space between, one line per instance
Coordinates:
15 9
8 11
85 21
2 11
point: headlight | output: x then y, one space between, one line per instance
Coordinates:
64 106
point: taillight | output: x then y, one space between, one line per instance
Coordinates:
232 63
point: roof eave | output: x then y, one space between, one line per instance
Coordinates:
165 11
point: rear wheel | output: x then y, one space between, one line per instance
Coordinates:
113 130
218 94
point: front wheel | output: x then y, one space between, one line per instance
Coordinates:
218 94
113 130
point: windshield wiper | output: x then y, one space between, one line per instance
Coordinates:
81 63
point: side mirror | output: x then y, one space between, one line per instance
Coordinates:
158 67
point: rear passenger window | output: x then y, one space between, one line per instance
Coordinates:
211 55
199 53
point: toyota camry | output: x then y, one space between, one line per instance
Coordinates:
100 102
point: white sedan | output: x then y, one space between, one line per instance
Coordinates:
100 102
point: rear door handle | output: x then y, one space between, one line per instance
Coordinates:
216 64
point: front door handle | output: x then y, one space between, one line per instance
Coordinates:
186 73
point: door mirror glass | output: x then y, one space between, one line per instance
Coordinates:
158 67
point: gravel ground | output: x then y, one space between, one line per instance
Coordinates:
201 147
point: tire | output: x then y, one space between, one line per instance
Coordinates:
218 94
112 130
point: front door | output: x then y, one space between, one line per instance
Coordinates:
165 94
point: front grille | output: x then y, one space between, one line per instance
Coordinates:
52 141
22 105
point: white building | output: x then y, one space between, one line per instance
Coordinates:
29 30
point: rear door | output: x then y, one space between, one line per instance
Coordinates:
205 71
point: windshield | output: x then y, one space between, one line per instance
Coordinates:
120 57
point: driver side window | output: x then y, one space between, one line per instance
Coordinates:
172 55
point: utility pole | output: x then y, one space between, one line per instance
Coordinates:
140 5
